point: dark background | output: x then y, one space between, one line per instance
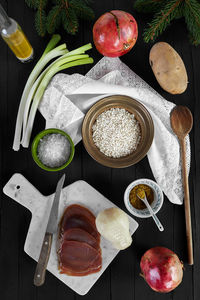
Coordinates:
121 280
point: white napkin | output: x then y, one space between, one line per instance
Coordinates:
68 98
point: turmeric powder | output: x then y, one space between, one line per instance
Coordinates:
141 188
140 193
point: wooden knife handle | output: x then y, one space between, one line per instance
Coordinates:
40 271
187 204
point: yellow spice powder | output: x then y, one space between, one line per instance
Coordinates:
135 201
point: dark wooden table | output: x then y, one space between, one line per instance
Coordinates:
121 280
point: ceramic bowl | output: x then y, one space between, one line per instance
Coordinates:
36 141
156 204
142 116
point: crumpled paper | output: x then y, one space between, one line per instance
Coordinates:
68 98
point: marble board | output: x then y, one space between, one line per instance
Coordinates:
80 192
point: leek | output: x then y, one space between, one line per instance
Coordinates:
31 94
66 62
48 55
38 81
52 43
33 89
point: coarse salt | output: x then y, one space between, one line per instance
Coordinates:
116 132
54 150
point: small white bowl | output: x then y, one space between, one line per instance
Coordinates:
156 204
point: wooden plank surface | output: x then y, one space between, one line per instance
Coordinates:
121 280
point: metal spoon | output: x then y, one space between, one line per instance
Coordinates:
155 218
181 123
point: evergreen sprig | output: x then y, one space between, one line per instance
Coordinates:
82 9
54 19
148 6
161 20
40 17
65 12
166 12
192 19
32 3
70 20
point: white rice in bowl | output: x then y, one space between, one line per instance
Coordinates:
116 132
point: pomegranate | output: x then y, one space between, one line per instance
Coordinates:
162 269
115 33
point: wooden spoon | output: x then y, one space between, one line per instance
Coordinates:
181 123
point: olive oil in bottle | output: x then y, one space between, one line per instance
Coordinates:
13 35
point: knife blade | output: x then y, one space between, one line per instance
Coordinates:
51 228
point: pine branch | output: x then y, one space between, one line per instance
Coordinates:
57 2
32 3
42 3
192 19
69 20
180 9
162 19
148 6
88 1
82 10
40 16
40 22
66 12
54 19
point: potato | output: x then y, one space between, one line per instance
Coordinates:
168 68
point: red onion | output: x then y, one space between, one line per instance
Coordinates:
162 269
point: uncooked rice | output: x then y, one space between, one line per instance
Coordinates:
116 132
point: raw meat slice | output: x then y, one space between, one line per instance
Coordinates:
79 252
78 259
77 216
82 223
80 235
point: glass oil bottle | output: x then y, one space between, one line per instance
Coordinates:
13 35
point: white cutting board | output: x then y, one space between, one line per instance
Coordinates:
80 192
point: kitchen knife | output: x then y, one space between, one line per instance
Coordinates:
40 271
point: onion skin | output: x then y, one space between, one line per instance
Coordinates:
162 269
115 33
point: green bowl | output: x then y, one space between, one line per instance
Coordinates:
36 141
